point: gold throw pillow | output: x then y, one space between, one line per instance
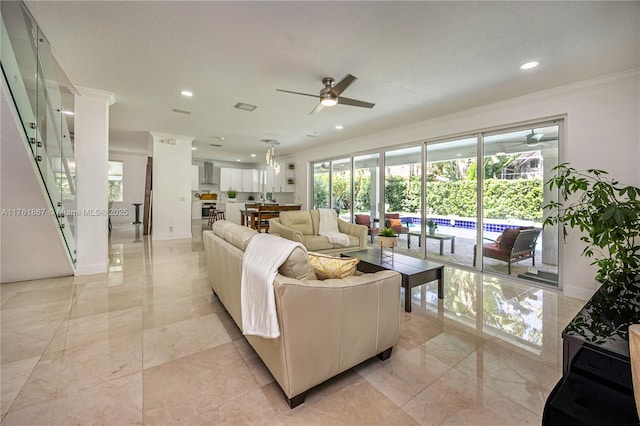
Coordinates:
332 267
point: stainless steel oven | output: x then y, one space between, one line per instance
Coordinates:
206 205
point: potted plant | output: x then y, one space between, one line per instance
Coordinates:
607 213
432 226
231 194
387 238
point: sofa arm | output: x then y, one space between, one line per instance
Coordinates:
359 231
329 326
276 227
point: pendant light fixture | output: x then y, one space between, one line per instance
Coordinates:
271 156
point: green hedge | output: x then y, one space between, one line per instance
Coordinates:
503 199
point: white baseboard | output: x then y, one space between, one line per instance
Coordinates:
578 292
97 268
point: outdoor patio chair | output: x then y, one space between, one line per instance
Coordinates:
365 219
513 245
393 221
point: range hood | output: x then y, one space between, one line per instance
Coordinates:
207 175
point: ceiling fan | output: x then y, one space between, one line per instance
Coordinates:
330 94
535 138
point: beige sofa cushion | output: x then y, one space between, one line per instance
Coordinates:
297 266
239 236
315 221
316 242
220 226
298 220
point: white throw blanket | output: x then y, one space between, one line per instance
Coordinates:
328 227
262 258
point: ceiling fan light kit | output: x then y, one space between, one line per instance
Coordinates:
330 94
328 102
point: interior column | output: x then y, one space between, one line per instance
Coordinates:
92 157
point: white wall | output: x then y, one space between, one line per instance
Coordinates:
171 205
134 175
602 131
31 242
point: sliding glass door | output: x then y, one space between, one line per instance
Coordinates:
366 186
403 194
451 200
516 165
341 188
320 184
478 203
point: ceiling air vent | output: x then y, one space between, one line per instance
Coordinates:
245 107
181 111
215 144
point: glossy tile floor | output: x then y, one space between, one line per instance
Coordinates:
148 343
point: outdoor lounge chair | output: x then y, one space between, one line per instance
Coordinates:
393 221
365 219
513 245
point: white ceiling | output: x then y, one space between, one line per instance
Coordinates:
414 60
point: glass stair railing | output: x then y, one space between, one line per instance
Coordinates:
33 77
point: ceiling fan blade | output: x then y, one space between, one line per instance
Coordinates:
548 139
354 102
297 93
340 86
317 108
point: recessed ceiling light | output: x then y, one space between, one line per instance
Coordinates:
186 93
529 65
253 155
193 148
339 127
238 160
67 112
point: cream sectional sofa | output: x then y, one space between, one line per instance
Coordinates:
326 327
302 226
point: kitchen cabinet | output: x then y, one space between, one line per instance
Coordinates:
195 178
250 180
269 183
232 212
230 179
196 210
242 180
283 181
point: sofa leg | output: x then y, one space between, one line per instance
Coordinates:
296 400
386 354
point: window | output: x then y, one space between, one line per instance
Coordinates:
321 185
115 181
471 191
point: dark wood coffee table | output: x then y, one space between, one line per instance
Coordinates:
414 271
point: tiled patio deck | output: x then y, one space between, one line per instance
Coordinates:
464 243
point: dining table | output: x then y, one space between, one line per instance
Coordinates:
252 217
